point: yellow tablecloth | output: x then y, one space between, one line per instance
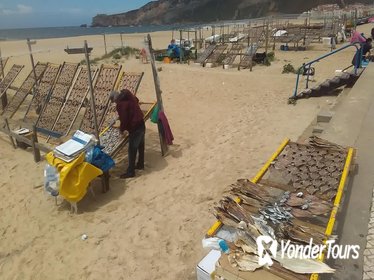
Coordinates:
74 176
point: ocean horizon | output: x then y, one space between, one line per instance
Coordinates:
73 31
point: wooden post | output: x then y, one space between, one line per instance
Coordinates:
121 40
267 36
4 100
196 44
105 44
92 97
105 181
305 31
10 137
1 65
25 140
34 140
200 38
180 46
29 43
221 33
164 146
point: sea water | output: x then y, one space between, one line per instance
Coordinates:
62 32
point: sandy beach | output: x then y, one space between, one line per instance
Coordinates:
226 124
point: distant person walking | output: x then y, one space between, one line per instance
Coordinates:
132 120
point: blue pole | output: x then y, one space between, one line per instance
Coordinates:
322 57
297 83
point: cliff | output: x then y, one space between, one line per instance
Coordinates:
198 11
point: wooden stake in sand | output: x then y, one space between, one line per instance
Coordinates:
10 137
164 146
121 40
34 141
29 43
1 66
105 44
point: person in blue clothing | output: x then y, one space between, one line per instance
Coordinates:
173 49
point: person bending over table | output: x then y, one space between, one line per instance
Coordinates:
132 120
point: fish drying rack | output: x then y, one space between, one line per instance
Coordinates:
300 156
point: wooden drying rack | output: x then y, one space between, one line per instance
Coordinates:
331 222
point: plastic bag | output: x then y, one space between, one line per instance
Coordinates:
154 115
101 160
216 244
51 180
211 243
89 154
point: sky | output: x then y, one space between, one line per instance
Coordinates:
51 13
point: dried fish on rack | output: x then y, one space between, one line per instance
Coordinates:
105 83
74 101
57 97
322 143
9 78
307 205
303 266
243 261
234 210
276 214
244 187
42 91
314 169
299 234
26 87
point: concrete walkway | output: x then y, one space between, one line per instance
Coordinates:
353 125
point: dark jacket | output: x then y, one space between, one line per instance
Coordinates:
129 112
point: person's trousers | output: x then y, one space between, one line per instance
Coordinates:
136 144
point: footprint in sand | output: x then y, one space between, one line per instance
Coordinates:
112 207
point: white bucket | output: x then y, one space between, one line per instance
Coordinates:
326 41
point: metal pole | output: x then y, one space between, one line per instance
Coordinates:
92 98
32 59
105 44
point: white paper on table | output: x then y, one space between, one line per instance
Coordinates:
76 144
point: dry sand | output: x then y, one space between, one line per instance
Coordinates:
226 124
